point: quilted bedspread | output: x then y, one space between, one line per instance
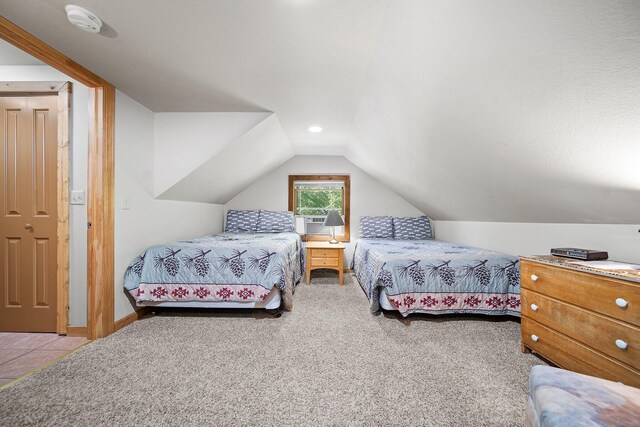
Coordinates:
559 398
430 276
224 267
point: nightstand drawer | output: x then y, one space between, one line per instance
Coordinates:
322 262
616 298
616 339
325 253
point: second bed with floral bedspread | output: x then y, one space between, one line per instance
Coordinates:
240 267
430 276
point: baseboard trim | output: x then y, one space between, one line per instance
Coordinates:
76 331
129 319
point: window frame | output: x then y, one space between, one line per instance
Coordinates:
346 179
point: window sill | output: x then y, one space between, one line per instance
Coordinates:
324 237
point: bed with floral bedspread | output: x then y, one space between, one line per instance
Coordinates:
434 277
229 267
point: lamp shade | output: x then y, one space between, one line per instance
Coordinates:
333 219
300 227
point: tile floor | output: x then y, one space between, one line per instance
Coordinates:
21 353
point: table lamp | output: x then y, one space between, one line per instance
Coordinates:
333 220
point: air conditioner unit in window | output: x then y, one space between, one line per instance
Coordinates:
314 224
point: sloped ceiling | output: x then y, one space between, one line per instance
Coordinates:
236 166
185 141
498 110
305 60
506 111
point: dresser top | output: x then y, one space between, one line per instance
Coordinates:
626 271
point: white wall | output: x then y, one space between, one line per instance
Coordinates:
256 153
78 177
368 196
184 141
147 221
621 241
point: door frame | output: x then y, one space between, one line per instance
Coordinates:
63 92
101 172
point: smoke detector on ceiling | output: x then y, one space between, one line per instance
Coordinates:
83 19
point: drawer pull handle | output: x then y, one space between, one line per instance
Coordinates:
534 278
621 302
535 338
621 344
534 307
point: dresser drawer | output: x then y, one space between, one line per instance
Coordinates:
598 293
572 355
324 262
325 253
594 330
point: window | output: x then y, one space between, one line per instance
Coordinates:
313 196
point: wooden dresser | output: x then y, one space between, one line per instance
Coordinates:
582 319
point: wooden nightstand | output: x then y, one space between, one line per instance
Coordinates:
325 255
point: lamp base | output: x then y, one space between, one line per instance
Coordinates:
333 241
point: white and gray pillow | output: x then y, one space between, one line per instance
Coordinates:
275 221
245 221
412 228
376 227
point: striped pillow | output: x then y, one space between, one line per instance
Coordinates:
376 227
412 228
275 221
242 221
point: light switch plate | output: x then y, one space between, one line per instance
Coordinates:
126 205
77 197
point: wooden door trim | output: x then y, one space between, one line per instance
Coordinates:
18 37
76 331
100 195
64 140
100 244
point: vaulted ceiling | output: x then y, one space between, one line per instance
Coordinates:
499 110
305 60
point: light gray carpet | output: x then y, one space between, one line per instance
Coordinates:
329 362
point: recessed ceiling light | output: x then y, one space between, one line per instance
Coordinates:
83 19
315 129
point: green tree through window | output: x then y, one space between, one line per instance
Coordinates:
319 199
